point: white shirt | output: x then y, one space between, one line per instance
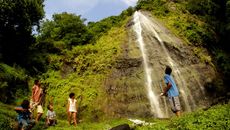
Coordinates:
51 114
72 105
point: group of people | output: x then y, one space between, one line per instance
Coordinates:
25 111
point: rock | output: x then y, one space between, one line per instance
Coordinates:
121 127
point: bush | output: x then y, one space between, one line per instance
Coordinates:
13 82
214 118
7 117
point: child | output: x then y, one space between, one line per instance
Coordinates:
50 116
25 120
72 108
36 102
171 91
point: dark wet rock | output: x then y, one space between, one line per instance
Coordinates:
121 127
130 24
126 63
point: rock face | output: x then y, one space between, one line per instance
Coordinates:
128 95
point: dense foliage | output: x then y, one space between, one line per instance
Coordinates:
216 118
69 55
7 117
217 14
28 55
101 27
17 20
13 83
68 28
82 70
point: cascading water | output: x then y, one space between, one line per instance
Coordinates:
155 107
149 26
151 39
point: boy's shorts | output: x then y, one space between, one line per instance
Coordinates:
39 109
35 105
175 104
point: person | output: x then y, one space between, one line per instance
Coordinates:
36 99
50 116
72 109
171 91
24 117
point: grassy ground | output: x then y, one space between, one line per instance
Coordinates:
7 117
105 125
215 118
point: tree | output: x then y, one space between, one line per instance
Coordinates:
65 27
227 25
17 19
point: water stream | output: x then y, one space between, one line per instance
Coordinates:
143 25
155 107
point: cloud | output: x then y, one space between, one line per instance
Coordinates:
92 10
105 8
79 7
130 2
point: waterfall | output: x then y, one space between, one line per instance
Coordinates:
151 27
155 107
151 39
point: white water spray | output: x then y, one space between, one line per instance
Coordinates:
155 107
151 27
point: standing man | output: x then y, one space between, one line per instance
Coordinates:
36 99
171 91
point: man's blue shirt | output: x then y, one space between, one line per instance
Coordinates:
173 91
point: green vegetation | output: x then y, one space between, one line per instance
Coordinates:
24 57
68 28
13 83
17 18
216 117
80 63
178 18
70 56
7 117
101 27
83 70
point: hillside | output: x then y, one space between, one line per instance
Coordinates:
103 64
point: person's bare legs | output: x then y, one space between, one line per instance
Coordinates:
30 127
178 113
47 122
39 115
69 117
74 118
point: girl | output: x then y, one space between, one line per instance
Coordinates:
72 109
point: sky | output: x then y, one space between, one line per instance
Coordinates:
92 10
